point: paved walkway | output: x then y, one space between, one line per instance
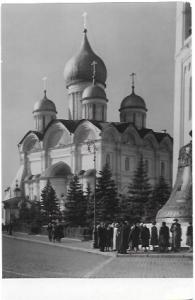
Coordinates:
86 246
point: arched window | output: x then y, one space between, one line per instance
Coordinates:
108 159
162 169
188 20
127 164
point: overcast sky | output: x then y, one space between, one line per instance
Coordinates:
38 39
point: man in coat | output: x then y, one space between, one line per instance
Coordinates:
176 235
134 237
164 238
145 237
102 236
154 236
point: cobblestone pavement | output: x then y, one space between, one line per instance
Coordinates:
33 256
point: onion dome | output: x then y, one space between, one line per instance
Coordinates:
44 105
78 68
93 91
133 101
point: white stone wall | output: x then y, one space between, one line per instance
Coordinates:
182 120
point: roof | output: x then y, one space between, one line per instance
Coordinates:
44 105
79 68
93 91
133 101
71 125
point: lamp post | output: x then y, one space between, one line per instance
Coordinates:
92 149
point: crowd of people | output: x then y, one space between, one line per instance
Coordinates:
123 237
55 231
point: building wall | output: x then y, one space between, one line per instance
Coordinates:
183 86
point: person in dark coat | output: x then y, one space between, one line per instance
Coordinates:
102 236
189 235
10 228
49 230
145 237
58 234
164 237
109 237
124 230
134 237
154 236
176 236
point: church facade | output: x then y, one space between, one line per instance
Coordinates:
57 148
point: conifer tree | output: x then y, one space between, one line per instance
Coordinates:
159 197
106 196
139 193
75 213
49 201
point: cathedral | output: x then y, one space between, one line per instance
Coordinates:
57 148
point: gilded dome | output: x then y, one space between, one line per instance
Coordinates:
93 91
133 101
79 69
44 105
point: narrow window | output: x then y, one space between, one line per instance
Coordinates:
94 111
108 159
43 122
102 113
127 164
162 169
188 20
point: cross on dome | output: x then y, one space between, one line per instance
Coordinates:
44 83
133 81
94 63
85 21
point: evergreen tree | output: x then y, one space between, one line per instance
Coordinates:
160 195
106 196
139 193
49 201
75 213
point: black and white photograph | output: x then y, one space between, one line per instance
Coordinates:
97 141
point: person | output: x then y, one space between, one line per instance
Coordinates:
10 228
154 236
145 237
123 237
189 234
102 236
176 236
49 230
109 237
58 234
134 237
164 238
115 230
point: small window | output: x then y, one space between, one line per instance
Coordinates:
94 108
108 159
162 169
127 164
102 113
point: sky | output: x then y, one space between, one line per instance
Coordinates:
38 39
